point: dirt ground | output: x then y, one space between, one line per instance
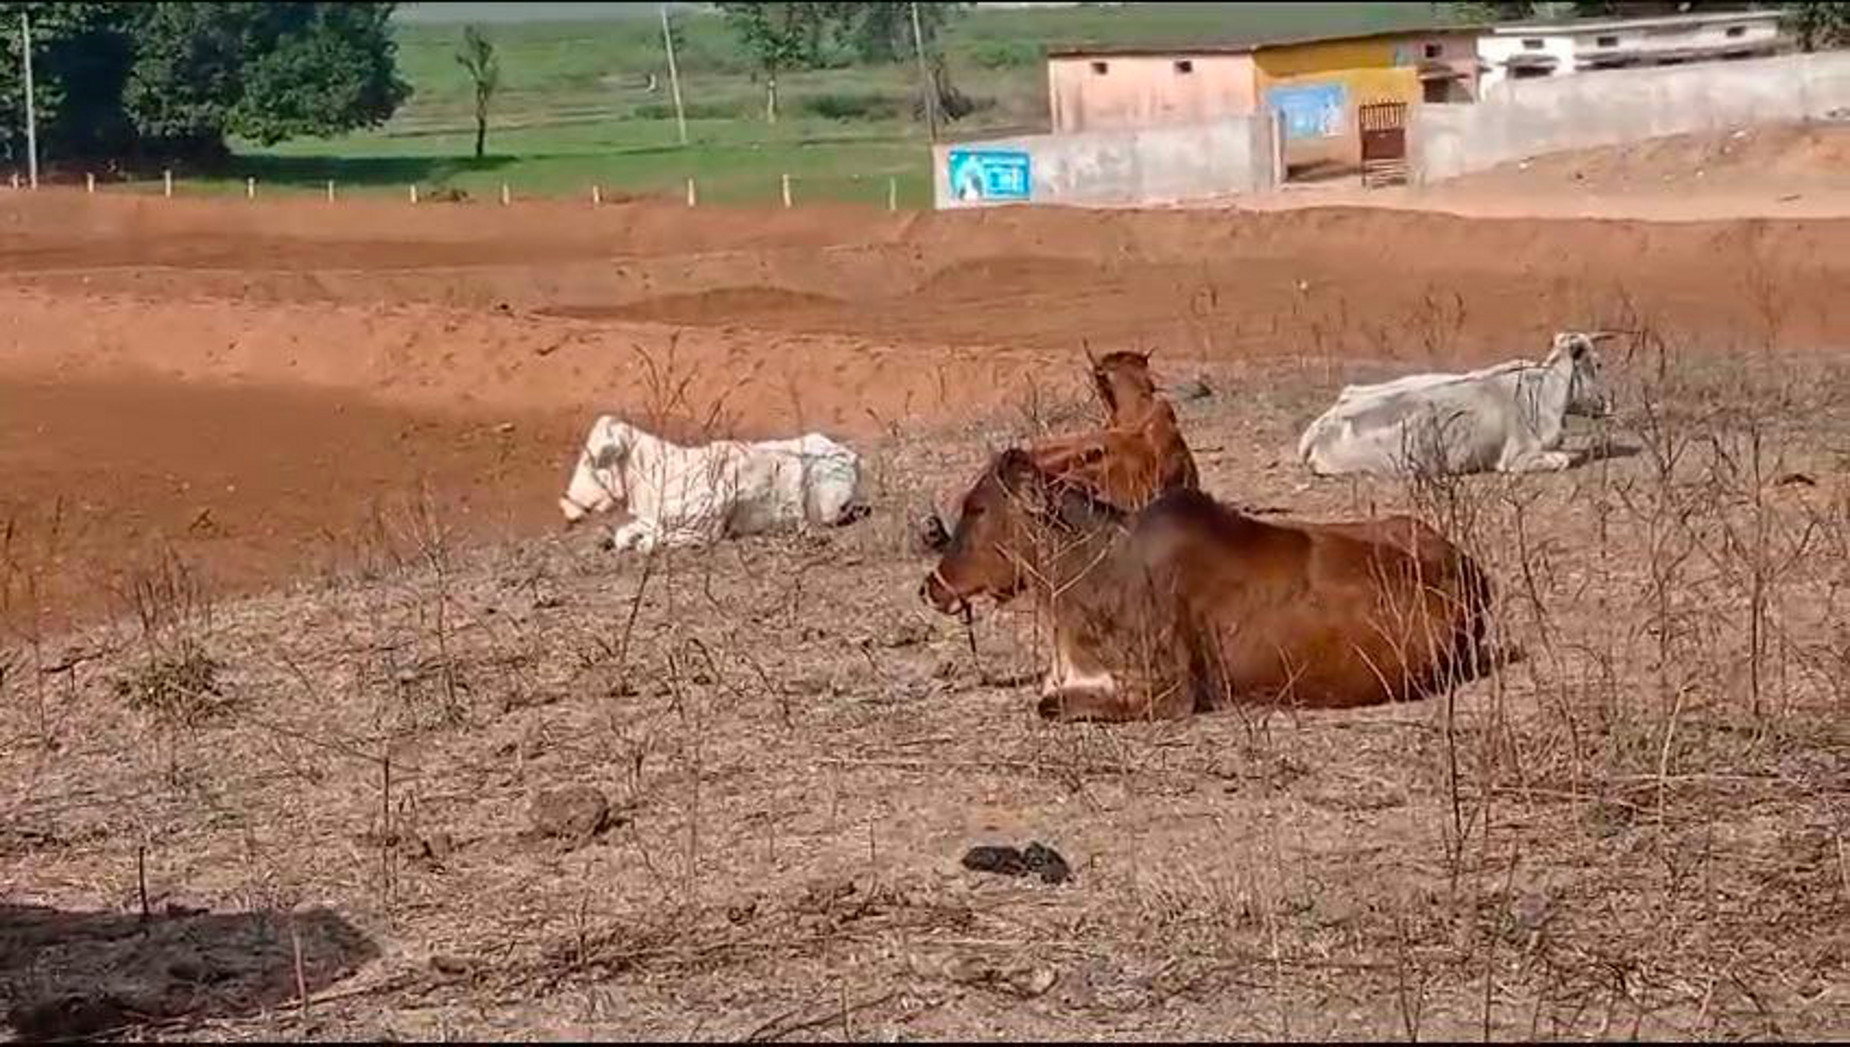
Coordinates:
1776 162
1781 171
351 351
348 424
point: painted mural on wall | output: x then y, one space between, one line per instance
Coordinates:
988 175
1310 110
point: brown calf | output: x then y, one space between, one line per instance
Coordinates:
1188 604
1138 455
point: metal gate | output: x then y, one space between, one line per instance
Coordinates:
1384 143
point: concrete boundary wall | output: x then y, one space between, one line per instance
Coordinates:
1524 118
1110 168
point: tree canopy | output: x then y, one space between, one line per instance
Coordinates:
176 79
1820 23
780 36
787 36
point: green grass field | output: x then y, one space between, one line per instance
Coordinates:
576 108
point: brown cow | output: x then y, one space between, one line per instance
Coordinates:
1138 455
1189 604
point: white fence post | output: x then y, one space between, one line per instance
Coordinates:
250 189
786 184
89 181
597 195
330 190
692 197
892 193
505 197
167 181
414 192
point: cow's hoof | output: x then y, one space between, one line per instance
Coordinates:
1052 707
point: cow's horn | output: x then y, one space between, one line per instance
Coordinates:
1086 345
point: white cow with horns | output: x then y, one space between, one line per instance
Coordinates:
1508 418
676 496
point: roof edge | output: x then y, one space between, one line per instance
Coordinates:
1593 25
1246 47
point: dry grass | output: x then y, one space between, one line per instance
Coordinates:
1636 829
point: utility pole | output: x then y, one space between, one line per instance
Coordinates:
674 76
32 120
930 86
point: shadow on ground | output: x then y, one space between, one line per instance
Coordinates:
313 172
80 974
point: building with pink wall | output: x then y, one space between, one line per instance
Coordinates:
1093 88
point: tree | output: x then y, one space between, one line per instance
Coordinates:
80 58
121 79
781 36
477 58
1820 23
262 71
882 32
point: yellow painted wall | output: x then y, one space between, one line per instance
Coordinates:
1367 70
1292 60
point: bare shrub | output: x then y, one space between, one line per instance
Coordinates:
173 674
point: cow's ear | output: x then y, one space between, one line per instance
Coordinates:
1014 464
1022 479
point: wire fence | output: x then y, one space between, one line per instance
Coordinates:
893 190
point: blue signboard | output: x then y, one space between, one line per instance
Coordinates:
1310 110
988 174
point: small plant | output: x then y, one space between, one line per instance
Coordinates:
180 688
861 105
1007 54
172 677
693 110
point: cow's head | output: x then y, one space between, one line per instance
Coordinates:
1587 395
1122 379
833 488
933 535
984 555
597 481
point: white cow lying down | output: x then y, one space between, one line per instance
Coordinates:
678 496
1509 417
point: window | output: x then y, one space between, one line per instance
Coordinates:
1184 65
1435 50
1531 45
1608 41
1100 68
1737 30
